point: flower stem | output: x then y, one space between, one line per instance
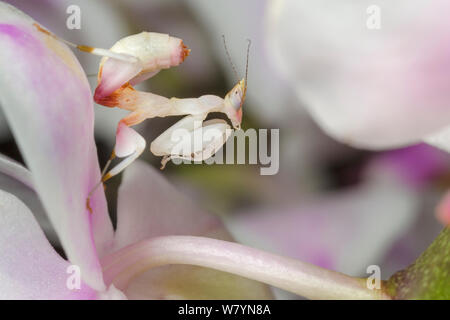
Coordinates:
289 274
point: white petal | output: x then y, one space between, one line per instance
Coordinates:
371 88
17 180
440 139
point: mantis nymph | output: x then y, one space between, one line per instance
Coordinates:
120 76
136 58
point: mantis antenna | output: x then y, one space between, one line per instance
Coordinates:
246 65
229 57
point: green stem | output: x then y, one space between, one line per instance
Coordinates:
428 278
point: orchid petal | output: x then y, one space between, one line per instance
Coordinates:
47 101
370 88
149 206
416 166
440 139
17 180
16 171
29 266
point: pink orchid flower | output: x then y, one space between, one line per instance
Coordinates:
47 102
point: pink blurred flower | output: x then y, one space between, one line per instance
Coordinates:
369 88
443 211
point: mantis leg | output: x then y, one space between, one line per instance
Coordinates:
129 144
113 74
154 105
191 139
120 67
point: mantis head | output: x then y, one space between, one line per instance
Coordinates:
234 101
236 97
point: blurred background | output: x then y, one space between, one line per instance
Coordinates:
330 204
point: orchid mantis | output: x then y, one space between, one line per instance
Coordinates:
153 52
136 58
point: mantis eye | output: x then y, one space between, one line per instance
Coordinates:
236 97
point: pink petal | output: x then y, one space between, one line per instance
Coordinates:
368 88
47 102
416 165
29 267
